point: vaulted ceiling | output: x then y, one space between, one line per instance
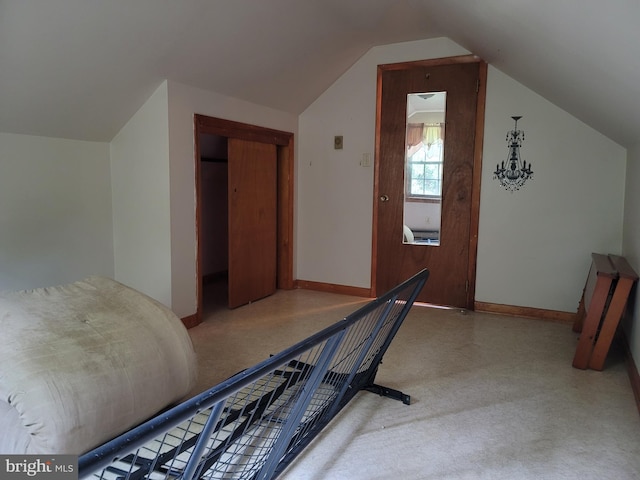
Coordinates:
80 69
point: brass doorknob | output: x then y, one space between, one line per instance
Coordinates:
384 198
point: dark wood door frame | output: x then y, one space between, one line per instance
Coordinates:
284 144
477 165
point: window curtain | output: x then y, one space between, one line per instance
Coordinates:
431 133
427 133
415 133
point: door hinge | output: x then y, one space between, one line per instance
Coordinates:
466 286
477 85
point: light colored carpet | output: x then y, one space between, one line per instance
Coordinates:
493 397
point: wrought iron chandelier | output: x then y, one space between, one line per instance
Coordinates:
516 172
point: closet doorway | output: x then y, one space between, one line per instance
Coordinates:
244 211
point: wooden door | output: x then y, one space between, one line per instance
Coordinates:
252 220
451 274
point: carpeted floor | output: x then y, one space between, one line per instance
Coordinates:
493 397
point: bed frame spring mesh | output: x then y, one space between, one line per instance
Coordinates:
253 425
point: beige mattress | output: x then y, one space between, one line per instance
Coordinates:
82 363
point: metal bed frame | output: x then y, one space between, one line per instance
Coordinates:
254 424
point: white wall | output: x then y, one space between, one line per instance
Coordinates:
422 216
55 211
184 102
140 186
335 193
631 246
535 245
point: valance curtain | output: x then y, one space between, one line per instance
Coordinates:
426 133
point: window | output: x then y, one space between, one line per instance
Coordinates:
424 166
